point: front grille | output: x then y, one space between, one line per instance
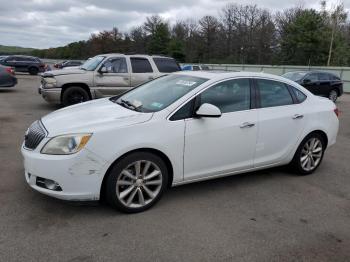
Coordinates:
34 135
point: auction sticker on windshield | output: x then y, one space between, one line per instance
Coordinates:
185 83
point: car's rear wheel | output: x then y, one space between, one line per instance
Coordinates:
74 95
309 154
333 95
33 71
136 182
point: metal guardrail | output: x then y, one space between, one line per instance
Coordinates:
343 72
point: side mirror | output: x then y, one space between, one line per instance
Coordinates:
208 110
103 70
306 81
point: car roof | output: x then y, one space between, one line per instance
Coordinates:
27 56
309 71
136 55
314 71
221 75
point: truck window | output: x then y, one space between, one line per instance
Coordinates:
116 65
166 65
140 65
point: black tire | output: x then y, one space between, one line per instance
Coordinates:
33 70
333 95
74 95
111 187
296 163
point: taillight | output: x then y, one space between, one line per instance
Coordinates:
337 112
10 70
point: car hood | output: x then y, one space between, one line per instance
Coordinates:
70 71
89 117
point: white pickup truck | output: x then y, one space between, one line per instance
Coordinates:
102 76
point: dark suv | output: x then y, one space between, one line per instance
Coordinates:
318 82
20 63
68 64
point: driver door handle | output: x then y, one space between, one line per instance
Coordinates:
297 116
247 125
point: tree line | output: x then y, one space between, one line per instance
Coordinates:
241 34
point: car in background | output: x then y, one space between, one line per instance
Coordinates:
69 63
318 82
2 57
102 76
27 64
7 77
195 68
177 129
70 67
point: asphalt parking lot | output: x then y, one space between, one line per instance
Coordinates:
270 215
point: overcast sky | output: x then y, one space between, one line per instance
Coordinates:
52 23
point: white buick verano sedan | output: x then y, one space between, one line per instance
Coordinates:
177 129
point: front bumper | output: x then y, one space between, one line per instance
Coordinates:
79 175
9 82
51 95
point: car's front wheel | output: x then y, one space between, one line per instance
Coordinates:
309 154
136 182
74 95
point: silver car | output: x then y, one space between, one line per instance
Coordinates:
102 76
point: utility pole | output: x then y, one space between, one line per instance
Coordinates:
334 19
337 16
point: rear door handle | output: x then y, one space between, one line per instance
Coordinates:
297 116
247 125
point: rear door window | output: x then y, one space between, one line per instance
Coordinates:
273 93
323 77
166 65
140 65
300 96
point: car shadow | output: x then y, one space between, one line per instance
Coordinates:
7 90
234 180
178 193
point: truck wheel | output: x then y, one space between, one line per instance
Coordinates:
74 95
33 71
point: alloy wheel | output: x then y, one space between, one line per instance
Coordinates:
311 154
333 95
139 184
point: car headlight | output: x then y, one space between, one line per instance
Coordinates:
66 144
50 82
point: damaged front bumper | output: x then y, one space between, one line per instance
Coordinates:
78 176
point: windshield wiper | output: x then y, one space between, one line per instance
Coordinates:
129 105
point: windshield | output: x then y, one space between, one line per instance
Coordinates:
158 94
91 64
295 76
